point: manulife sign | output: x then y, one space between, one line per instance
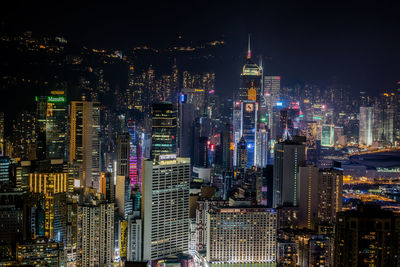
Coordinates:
56 99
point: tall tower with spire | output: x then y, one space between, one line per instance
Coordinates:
251 76
246 109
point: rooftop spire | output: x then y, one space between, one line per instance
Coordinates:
248 49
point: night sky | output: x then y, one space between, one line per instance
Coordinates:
358 43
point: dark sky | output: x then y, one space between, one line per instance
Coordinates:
357 42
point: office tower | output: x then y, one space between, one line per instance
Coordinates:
367 236
107 186
60 217
201 157
366 124
328 135
308 196
242 153
330 194
267 189
227 147
123 152
289 156
262 146
164 129
95 240
2 140
84 147
250 80
383 119
135 159
275 128
48 184
241 235
196 97
134 238
4 170
248 129
56 126
186 128
165 207
272 86
40 253
123 198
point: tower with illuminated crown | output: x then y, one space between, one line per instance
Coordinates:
246 109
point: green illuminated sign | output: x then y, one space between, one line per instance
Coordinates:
56 99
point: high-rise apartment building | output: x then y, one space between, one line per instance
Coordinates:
330 194
95 240
165 206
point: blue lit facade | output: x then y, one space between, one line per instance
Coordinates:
248 129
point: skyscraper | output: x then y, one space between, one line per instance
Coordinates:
56 126
366 124
164 129
123 151
289 156
328 135
330 194
272 86
250 80
165 207
84 147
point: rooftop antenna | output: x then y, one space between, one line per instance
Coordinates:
248 49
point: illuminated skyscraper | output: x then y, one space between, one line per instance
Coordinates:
250 85
164 129
84 147
330 194
123 151
272 87
165 207
135 159
366 124
289 156
56 126
328 135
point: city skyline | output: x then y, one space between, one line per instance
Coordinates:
214 136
